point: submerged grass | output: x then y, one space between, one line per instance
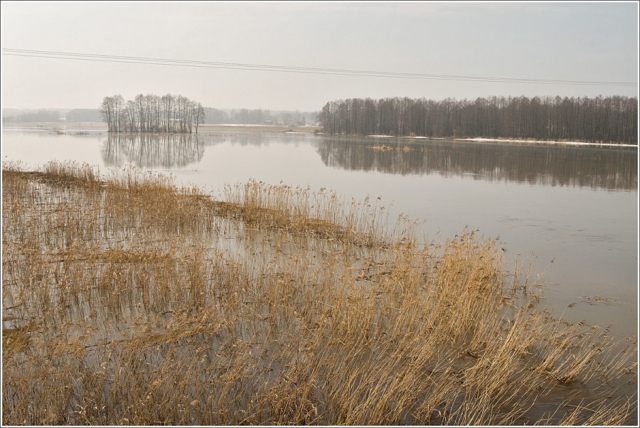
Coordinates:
123 303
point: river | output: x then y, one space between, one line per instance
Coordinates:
569 212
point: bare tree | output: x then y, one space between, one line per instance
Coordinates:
611 119
107 112
199 115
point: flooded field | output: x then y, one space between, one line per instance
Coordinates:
569 212
275 291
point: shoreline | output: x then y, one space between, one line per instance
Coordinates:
57 127
561 143
499 140
505 140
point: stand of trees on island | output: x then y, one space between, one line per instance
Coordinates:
152 113
601 119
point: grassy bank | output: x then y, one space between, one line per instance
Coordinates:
130 300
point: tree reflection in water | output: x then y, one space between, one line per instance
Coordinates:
549 165
151 151
536 164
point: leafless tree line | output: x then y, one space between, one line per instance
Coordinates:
35 116
152 113
600 119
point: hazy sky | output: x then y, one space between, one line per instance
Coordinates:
553 41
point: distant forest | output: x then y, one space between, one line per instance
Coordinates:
52 115
211 116
601 119
259 116
84 115
34 116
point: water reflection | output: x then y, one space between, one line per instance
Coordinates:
244 139
151 151
598 168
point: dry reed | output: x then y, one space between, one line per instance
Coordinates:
129 300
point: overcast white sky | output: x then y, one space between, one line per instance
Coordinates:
566 41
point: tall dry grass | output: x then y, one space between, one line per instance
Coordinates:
321 214
129 300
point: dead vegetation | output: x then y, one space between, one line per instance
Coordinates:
382 148
128 300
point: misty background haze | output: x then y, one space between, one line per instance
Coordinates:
545 41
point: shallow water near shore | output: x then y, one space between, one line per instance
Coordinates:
569 212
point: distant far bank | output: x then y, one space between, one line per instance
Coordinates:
561 142
81 128
75 127
506 141
307 129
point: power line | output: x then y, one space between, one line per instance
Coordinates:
289 69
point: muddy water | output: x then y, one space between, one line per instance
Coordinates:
570 213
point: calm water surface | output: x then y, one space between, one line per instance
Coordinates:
571 212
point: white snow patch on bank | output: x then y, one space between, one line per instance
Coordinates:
568 143
239 124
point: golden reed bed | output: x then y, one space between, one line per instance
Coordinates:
130 300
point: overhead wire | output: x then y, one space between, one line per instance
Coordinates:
93 57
